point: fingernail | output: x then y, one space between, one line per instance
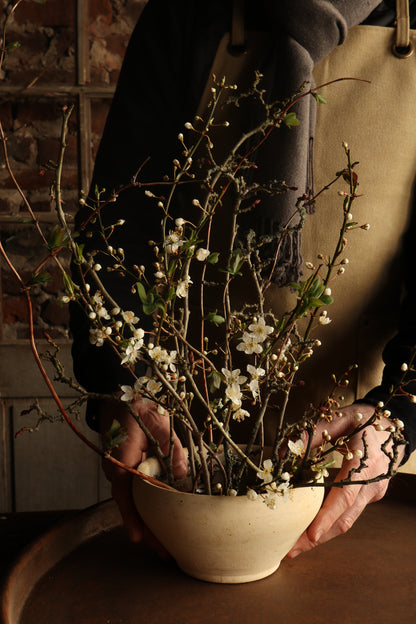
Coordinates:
181 469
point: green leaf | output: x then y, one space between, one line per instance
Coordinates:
149 305
13 45
213 257
68 283
290 120
214 380
319 98
40 278
236 262
79 251
327 299
314 302
171 294
115 435
214 317
57 238
141 291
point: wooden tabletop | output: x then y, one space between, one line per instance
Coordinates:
367 575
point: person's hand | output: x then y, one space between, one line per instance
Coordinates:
342 506
131 452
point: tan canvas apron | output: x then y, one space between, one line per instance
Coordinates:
378 121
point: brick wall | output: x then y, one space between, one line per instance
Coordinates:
39 77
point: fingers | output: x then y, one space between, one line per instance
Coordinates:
341 508
343 505
159 426
343 425
121 491
131 452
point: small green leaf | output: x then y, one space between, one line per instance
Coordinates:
314 302
68 283
327 299
13 45
141 291
40 278
290 120
79 250
236 262
171 294
213 257
214 317
57 238
115 436
214 380
319 98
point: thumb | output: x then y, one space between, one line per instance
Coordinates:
179 460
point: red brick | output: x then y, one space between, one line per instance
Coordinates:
5 206
117 45
19 147
11 286
55 313
15 310
48 149
30 112
133 11
6 117
33 43
99 112
50 13
101 9
26 178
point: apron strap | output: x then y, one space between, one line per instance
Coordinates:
402 46
238 44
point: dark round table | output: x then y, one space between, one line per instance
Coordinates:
84 571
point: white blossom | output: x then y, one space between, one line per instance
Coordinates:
182 287
129 317
173 242
271 501
324 318
202 254
266 473
138 334
98 306
260 330
97 337
283 488
132 352
153 386
241 414
162 357
255 374
297 448
249 344
233 376
131 393
234 394
251 494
